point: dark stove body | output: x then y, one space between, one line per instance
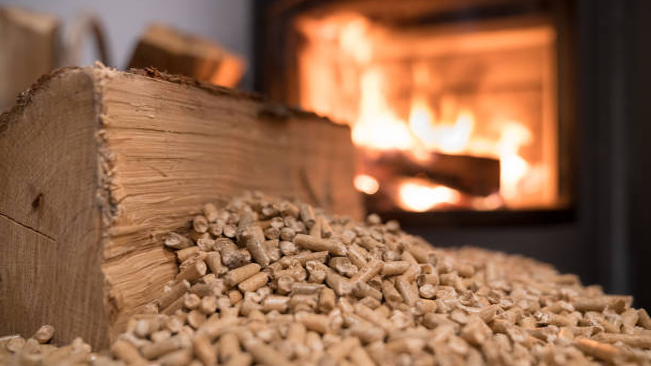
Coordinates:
605 122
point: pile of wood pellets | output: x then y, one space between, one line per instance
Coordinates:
264 281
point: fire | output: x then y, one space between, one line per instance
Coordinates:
421 196
377 126
366 183
458 138
419 106
513 168
445 137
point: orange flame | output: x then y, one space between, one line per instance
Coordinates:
366 183
513 168
377 126
420 196
349 82
444 137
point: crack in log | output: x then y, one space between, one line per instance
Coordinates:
27 227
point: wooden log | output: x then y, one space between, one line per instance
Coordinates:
473 175
27 50
98 165
170 50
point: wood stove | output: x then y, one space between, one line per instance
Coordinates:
455 106
599 227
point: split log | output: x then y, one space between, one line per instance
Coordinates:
27 50
172 51
98 165
470 174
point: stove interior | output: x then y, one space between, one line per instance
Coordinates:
447 115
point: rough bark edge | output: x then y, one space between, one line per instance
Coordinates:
269 107
25 97
109 208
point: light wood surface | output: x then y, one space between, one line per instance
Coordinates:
118 160
49 222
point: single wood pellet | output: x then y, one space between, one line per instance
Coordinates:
272 282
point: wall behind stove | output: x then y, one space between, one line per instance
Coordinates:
225 21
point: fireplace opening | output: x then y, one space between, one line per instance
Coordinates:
454 108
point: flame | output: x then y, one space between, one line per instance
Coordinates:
420 196
421 121
513 167
366 183
449 138
347 79
455 139
377 126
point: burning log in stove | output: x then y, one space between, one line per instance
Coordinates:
473 175
427 180
479 100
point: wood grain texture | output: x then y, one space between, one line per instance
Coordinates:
176 147
27 50
120 159
49 222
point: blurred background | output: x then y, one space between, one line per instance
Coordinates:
121 24
515 125
228 22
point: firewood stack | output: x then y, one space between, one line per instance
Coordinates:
275 282
175 52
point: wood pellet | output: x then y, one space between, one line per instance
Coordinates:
264 281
